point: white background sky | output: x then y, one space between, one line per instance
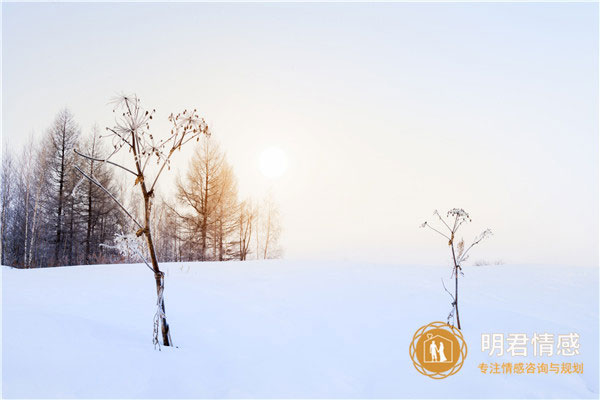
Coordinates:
385 111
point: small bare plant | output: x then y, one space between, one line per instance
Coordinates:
481 263
131 132
455 218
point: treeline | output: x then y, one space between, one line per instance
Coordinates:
50 216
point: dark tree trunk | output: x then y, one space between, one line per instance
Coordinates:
89 217
158 274
71 231
59 213
456 297
204 227
456 270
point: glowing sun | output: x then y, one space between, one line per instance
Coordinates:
272 162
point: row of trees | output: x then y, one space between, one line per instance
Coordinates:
50 215
210 222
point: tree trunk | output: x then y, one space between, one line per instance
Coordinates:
160 286
60 195
158 274
456 297
88 233
456 268
268 238
29 258
205 218
71 231
26 225
3 230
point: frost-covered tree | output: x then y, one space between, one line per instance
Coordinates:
455 218
131 133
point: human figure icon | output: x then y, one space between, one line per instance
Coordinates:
433 351
441 351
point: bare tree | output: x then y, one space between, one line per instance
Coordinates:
132 132
225 221
457 217
246 216
73 221
199 197
39 180
165 225
7 177
97 206
26 172
62 138
271 228
266 224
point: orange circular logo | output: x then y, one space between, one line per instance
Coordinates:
438 350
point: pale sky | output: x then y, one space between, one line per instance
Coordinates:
384 111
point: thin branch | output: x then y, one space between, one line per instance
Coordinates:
431 227
455 228
442 219
447 291
159 172
104 161
478 239
93 180
122 138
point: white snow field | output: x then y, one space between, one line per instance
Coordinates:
282 329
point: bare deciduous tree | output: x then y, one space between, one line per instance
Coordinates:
132 133
225 221
7 182
270 227
457 217
201 196
97 205
62 138
39 182
246 215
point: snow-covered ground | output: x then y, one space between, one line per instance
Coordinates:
280 329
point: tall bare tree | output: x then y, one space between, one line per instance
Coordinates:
225 221
246 216
27 175
37 178
199 196
164 224
61 140
97 205
270 226
7 182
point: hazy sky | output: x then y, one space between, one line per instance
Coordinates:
385 111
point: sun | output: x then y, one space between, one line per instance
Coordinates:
272 162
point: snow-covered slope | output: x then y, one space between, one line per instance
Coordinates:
281 329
